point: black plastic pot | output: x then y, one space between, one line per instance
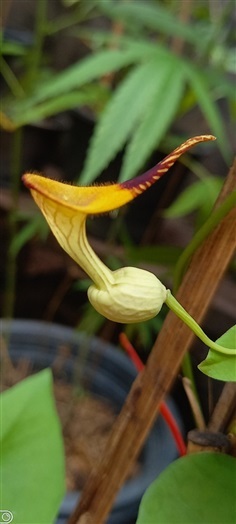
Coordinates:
107 373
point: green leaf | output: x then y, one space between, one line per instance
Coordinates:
223 85
209 108
160 113
12 48
196 489
20 115
220 84
201 193
125 109
156 17
32 451
86 70
98 38
219 366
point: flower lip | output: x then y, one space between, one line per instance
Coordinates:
85 199
99 199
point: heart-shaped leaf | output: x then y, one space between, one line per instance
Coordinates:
196 489
220 366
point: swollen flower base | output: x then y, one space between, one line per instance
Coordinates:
135 295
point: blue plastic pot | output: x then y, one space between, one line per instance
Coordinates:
107 373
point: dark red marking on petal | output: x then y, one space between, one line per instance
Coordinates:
142 182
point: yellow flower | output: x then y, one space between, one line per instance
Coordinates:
128 294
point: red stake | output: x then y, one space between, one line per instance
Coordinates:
164 410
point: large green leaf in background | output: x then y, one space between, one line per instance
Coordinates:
160 112
219 366
123 112
60 91
85 71
32 452
36 112
156 17
196 489
209 108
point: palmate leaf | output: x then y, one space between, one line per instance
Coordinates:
32 469
221 85
160 112
85 71
60 91
196 489
127 106
219 366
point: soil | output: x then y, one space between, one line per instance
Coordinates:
86 425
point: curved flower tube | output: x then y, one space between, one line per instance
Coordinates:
128 294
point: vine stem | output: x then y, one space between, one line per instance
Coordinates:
176 307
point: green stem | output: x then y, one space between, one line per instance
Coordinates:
176 307
35 62
70 20
216 216
10 79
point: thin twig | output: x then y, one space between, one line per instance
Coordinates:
198 416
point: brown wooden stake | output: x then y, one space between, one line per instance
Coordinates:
132 426
224 408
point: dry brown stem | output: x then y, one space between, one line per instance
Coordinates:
224 408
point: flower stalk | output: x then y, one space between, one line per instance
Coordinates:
176 307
